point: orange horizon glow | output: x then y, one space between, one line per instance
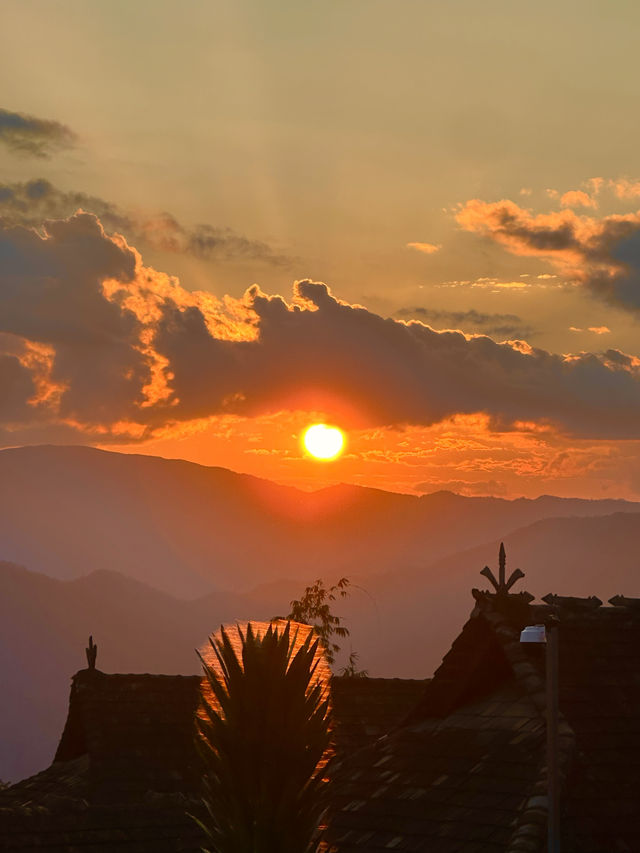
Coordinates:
461 454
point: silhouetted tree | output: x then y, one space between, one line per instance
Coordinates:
265 739
314 608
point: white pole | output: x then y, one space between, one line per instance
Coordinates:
552 737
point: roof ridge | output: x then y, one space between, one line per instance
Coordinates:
106 676
632 604
572 602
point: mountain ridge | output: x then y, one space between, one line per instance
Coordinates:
189 529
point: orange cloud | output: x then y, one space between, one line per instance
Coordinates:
597 330
601 254
595 184
425 248
577 198
625 189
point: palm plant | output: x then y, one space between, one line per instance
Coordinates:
265 739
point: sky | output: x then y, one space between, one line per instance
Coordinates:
420 221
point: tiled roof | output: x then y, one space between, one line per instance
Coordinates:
55 811
126 770
136 729
468 770
364 709
600 699
449 783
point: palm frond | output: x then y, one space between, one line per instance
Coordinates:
264 736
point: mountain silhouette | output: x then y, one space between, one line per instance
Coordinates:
187 529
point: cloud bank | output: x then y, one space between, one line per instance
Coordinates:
94 342
499 325
31 202
602 255
35 137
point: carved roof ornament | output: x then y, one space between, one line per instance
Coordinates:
92 653
502 585
569 602
624 601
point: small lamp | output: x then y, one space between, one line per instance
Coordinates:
533 634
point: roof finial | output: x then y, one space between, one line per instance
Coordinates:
502 586
92 653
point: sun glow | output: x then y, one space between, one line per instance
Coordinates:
323 442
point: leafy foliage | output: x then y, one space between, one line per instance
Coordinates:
314 608
351 669
265 739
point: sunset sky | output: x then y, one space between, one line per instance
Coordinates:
221 222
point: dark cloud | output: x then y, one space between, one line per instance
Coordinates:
319 349
497 325
206 241
80 348
17 387
103 345
603 254
32 136
31 202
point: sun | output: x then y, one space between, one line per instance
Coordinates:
323 442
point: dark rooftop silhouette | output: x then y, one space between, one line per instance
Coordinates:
455 763
467 771
126 771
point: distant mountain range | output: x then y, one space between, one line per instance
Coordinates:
151 555
187 529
